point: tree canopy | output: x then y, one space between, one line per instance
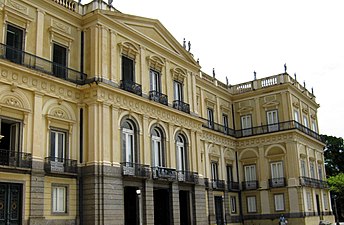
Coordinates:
334 155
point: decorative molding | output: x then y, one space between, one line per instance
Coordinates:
271 104
17 6
178 74
155 62
129 49
61 26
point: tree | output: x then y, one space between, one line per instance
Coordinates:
334 155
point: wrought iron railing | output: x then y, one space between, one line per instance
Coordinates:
15 159
164 173
158 97
187 177
60 165
181 106
250 185
135 170
277 182
37 63
218 184
131 87
233 186
311 182
218 127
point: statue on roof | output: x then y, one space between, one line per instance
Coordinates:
189 46
214 72
184 43
227 80
255 75
285 68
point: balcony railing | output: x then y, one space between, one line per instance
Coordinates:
135 170
311 182
158 97
37 63
188 177
131 87
164 173
233 186
219 128
181 106
218 184
206 182
250 185
15 159
277 182
60 165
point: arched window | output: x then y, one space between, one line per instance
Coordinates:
129 141
181 153
157 148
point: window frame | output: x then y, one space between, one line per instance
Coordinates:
233 204
157 147
251 204
253 176
225 122
130 67
155 80
246 124
272 120
215 170
56 157
210 114
325 200
178 91
182 155
64 187
309 201
279 169
18 129
125 134
279 206
303 168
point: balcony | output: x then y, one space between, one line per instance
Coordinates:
135 170
250 185
311 182
162 173
277 182
188 177
60 165
131 86
42 65
218 127
158 97
218 184
15 159
181 106
233 186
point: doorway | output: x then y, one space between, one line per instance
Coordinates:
218 210
131 206
10 203
162 208
184 207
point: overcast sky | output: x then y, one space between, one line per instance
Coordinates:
237 37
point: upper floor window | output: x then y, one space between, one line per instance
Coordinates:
225 122
233 204
157 147
277 170
58 145
251 204
59 199
320 172
296 116
303 168
210 113
14 42
246 124
178 90
59 60
155 82
229 169
305 121
309 201
128 72
272 119
325 199
129 136
312 169
314 126
181 153
279 202
11 132
214 171
250 173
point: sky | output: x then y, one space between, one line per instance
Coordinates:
237 37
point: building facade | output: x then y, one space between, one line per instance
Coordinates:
107 119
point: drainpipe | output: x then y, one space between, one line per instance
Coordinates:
240 202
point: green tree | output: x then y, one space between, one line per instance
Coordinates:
334 155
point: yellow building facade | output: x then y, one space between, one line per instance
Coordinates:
107 119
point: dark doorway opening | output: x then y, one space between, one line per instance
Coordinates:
14 43
184 207
318 204
218 210
10 203
60 61
162 208
131 206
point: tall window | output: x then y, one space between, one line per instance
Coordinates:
250 173
303 168
14 42
251 204
59 199
155 83
178 91
272 118
214 171
279 202
181 153
11 132
58 145
305 121
59 60
233 204
296 116
312 169
246 124
157 147
309 201
210 118
225 123
229 169
325 200
128 70
277 170
129 141
314 126
320 172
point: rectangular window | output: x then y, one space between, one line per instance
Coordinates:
251 204
11 132
305 121
314 127
303 168
279 202
210 118
214 170
14 43
312 169
155 84
57 145
229 173
246 125
128 70
296 116
325 199
233 204
59 199
320 172
277 170
309 201
250 173
59 60
225 123
272 119
178 91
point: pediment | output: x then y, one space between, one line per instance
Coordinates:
270 104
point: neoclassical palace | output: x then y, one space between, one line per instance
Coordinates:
105 118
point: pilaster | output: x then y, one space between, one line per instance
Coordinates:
175 204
